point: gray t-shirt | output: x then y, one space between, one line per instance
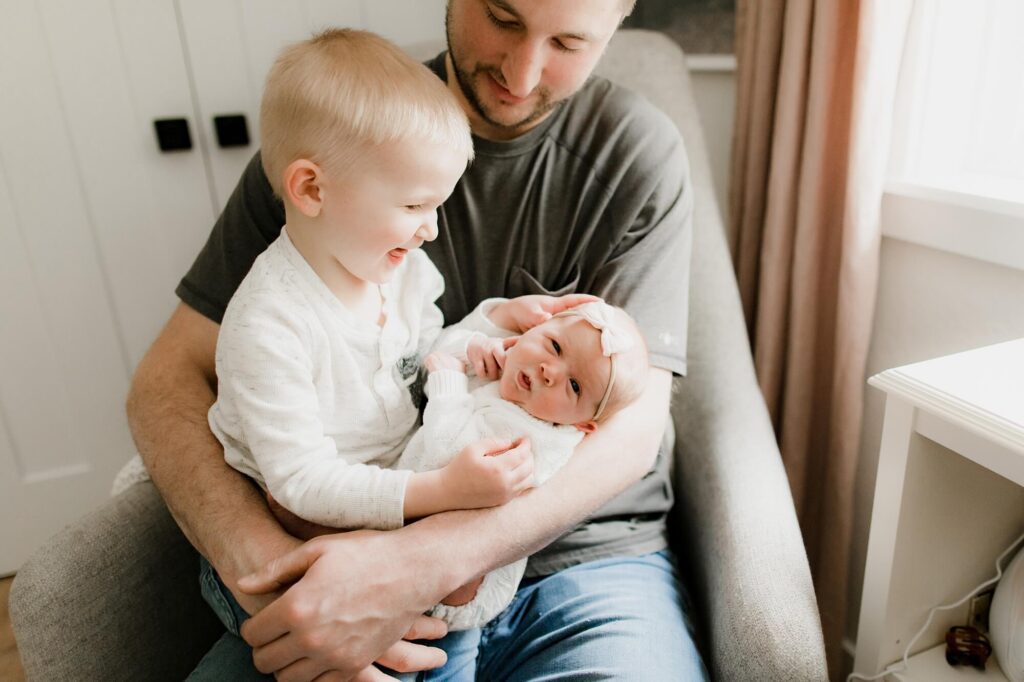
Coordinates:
595 199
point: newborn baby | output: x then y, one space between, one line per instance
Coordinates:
558 381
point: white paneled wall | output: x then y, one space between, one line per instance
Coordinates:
148 212
97 225
64 360
231 45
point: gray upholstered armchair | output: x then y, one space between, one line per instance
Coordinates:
115 596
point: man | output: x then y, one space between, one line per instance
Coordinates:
577 186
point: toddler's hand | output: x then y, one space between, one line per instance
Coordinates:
526 312
487 355
438 361
488 473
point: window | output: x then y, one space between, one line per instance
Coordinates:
956 171
959 122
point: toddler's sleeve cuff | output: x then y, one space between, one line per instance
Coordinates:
446 382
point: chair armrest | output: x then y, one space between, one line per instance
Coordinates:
742 541
113 596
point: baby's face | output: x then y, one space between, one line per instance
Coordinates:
557 371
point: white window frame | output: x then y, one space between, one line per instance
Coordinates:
975 226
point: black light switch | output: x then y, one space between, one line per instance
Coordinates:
172 134
232 130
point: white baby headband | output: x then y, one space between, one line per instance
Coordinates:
615 338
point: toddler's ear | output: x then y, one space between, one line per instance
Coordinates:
509 342
301 187
588 426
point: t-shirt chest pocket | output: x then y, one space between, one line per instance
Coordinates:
522 283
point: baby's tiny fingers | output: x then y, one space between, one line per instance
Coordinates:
479 367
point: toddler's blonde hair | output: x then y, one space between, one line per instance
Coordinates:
333 97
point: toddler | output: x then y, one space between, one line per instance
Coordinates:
322 340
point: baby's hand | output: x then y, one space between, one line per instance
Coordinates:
526 312
488 473
487 355
438 361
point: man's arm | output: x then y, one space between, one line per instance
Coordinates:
409 570
220 512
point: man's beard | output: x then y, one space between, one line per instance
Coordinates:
466 79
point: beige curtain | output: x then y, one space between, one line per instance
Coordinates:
815 86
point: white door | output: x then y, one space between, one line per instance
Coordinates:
231 45
96 227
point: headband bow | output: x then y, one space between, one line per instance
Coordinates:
614 338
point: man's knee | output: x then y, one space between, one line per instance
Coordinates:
615 619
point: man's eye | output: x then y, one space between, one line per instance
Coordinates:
500 23
575 386
558 349
559 45
414 207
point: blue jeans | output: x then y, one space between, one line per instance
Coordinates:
615 619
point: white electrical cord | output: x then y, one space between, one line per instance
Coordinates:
901 667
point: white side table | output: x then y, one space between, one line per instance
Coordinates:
949 497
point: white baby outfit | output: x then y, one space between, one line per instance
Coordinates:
456 417
461 411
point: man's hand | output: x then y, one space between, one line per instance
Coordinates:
526 312
352 597
487 355
404 657
398 656
254 603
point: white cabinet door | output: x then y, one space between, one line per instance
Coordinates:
96 227
231 45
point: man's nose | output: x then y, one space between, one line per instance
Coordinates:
522 68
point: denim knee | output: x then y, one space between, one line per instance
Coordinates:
220 599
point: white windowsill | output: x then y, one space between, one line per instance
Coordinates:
969 225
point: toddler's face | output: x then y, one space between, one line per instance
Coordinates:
375 214
557 371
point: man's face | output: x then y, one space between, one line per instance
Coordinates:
515 60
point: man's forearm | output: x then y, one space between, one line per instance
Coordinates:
219 511
481 540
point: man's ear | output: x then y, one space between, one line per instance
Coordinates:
302 187
588 426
